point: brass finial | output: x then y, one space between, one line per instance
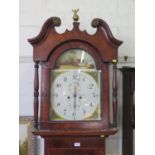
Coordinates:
75 16
114 61
102 136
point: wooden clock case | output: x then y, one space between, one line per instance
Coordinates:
61 137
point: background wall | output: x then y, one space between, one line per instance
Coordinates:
119 14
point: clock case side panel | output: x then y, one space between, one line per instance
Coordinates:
45 122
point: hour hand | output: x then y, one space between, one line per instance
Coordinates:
74 95
75 90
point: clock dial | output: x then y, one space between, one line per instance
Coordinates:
75 95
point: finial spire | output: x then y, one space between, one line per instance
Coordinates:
75 15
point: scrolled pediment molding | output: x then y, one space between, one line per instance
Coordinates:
50 23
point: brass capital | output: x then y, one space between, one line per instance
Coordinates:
114 61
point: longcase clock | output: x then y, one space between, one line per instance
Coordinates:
73 95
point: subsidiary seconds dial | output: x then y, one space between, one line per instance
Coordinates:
75 95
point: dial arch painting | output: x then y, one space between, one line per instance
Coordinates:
75 59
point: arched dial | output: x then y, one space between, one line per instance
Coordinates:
75 95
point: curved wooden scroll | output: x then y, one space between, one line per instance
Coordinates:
97 22
50 23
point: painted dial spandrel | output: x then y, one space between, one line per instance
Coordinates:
75 95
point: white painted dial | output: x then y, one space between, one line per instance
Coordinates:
75 95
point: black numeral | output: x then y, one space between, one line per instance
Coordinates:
84 111
90 86
73 113
58 85
94 95
75 76
65 111
58 104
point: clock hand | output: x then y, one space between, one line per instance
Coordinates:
75 95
